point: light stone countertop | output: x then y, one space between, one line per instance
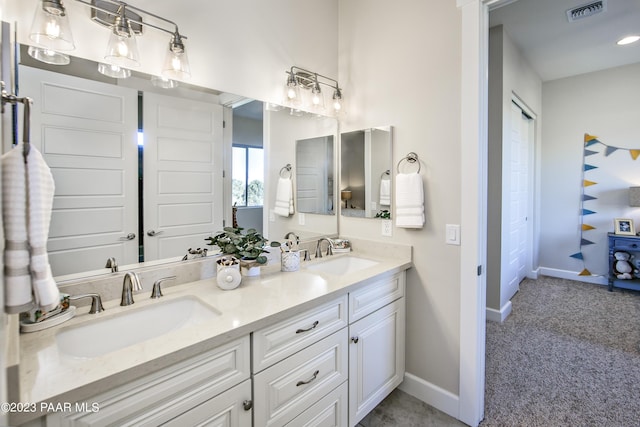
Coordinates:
47 375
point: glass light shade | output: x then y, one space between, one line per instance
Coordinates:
337 100
176 65
114 71
163 82
48 56
317 99
50 28
122 51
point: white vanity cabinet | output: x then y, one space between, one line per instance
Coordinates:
212 388
376 343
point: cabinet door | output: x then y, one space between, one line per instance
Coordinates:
376 358
230 409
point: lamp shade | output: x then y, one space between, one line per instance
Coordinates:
48 56
50 28
122 51
176 63
634 197
114 71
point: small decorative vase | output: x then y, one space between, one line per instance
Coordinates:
290 261
249 268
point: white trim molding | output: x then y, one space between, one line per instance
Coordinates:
572 275
431 394
499 315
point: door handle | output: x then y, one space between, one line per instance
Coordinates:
152 233
129 236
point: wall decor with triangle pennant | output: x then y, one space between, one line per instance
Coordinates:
587 200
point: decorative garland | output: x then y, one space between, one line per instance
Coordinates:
590 140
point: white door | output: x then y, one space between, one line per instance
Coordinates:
87 133
311 176
182 174
516 206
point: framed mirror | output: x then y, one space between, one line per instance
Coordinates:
365 173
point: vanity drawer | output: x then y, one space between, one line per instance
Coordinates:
330 411
290 387
629 244
375 295
273 343
170 392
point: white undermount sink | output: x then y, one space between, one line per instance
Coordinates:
104 335
342 265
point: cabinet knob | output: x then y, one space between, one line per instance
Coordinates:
355 340
247 405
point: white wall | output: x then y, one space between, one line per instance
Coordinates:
604 104
401 62
509 75
242 46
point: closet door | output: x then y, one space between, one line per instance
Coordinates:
87 133
182 174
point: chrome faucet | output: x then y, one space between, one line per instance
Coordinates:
130 284
112 264
96 302
291 233
319 247
157 289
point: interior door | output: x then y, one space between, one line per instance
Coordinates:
311 176
183 146
518 200
87 133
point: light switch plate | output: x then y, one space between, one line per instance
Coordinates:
452 234
301 219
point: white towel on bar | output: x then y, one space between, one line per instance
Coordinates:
409 200
385 192
27 195
284 197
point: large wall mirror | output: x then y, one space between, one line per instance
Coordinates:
138 169
365 175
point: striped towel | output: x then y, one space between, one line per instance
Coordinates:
27 197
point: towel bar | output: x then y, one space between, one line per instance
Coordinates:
285 169
410 158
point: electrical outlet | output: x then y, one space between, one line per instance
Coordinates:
301 219
387 226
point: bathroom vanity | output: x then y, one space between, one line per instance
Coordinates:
321 345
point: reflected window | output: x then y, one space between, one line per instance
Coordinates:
248 176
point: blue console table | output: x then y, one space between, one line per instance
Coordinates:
629 244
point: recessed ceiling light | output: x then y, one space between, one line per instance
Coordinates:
628 40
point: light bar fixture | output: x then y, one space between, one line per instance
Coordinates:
51 34
302 91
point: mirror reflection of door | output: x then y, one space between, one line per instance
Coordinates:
88 134
247 176
314 179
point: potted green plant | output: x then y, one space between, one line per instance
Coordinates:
248 246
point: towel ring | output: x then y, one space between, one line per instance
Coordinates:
410 158
286 169
387 172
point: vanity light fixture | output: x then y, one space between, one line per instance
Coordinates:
51 34
300 80
628 40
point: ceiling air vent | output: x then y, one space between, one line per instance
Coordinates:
586 10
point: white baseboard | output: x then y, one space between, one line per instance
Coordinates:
573 275
499 315
431 394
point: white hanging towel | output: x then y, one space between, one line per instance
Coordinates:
385 192
284 197
409 200
27 196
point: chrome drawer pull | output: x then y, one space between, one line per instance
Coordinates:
247 405
315 375
316 323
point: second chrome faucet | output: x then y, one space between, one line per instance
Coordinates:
130 284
